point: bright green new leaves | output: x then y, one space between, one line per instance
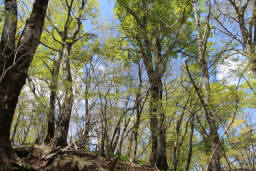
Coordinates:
58 20
165 18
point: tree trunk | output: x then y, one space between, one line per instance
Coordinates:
157 126
124 134
87 115
15 128
176 144
53 94
14 63
7 108
162 161
26 130
138 114
135 133
215 148
61 132
190 143
103 127
153 125
202 46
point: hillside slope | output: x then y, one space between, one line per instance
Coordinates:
45 158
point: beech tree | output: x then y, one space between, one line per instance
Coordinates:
202 40
16 56
148 32
242 15
151 87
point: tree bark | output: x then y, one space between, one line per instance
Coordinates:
157 126
136 128
53 94
61 132
14 63
190 143
15 127
68 40
202 46
87 118
138 114
176 144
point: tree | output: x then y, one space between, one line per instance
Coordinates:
202 41
242 15
205 92
65 34
147 25
16 56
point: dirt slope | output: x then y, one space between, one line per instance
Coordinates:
48 159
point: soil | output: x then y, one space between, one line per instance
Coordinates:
45 158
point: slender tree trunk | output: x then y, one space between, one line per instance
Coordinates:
138 114
123 136
15 128
102 145
115 142
26 131
176 144
104 128
87 113
53 95
202 46
61 132
190 143
135 134
129 151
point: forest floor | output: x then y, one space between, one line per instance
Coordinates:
35 157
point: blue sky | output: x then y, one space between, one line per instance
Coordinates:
105 16
106 9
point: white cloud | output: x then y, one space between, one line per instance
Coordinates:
228 71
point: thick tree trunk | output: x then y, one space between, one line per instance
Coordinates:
153 126
161 156
215 148
7 108
61 132
14 63
157 126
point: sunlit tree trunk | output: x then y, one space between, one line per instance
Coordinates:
138 107
62 128
202 46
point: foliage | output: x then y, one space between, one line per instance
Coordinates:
111 84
